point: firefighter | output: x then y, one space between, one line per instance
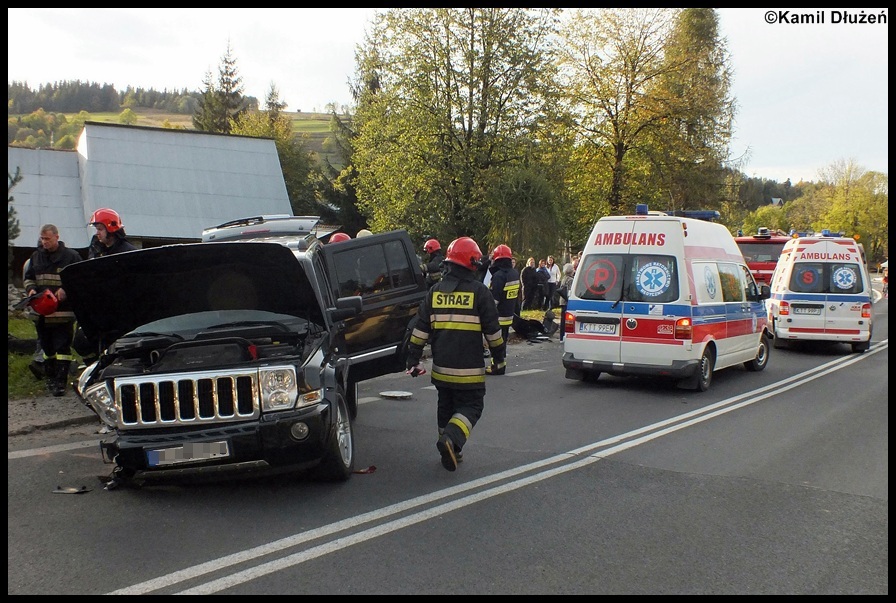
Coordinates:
55 321
456 313
505 288
432 269
110 238
338 237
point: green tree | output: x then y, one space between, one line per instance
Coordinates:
127 117
458 95
610 63
689 144
221 100
12 222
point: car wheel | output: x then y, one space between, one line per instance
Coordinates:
339 459
761 360
704 370
861 348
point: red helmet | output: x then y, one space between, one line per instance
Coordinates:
431 245
502 251
338 237
464 252
44 303
107 217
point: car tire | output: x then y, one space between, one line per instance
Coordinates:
704 370
338 462
761 360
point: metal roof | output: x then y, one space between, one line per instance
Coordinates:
165 183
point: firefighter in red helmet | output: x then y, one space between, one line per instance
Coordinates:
432 268
505 288
456 313
338 237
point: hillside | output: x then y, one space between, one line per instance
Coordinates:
313 127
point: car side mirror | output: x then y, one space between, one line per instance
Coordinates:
346 307
765 292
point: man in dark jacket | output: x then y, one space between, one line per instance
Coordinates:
54 325
505 288
456 313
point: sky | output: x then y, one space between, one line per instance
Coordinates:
809 94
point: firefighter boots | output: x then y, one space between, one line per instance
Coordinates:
446 449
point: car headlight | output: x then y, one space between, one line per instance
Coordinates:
102 401
279 389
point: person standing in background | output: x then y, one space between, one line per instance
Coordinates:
55 320
553 283
505 288
569 272
432 269
529 280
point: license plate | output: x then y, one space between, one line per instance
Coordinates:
188 453
597 327
798 310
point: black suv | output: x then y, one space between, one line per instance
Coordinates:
242 353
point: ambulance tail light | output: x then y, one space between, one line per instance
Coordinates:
866 311
784 309
683 329
569 323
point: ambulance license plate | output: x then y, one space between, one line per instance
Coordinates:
799 310
597 327
188 453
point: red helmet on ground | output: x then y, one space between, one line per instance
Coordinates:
502 251
431 245
338 237
44 303
107 217
464 252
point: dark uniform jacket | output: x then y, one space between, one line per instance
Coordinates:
432 270
98 250
456 313
505 288
42 273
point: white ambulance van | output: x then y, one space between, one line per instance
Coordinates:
821 291
658 295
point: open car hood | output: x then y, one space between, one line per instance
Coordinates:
115 294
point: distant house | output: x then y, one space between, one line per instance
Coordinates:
777 202
168 185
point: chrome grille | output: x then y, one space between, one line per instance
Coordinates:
186 398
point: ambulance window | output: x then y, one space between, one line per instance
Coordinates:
706 282
651 278
807 277
751 290
731 280
599 277
844 278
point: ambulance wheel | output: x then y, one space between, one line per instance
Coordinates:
860 348
704 370
761 360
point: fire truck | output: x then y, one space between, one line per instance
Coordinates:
761 252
